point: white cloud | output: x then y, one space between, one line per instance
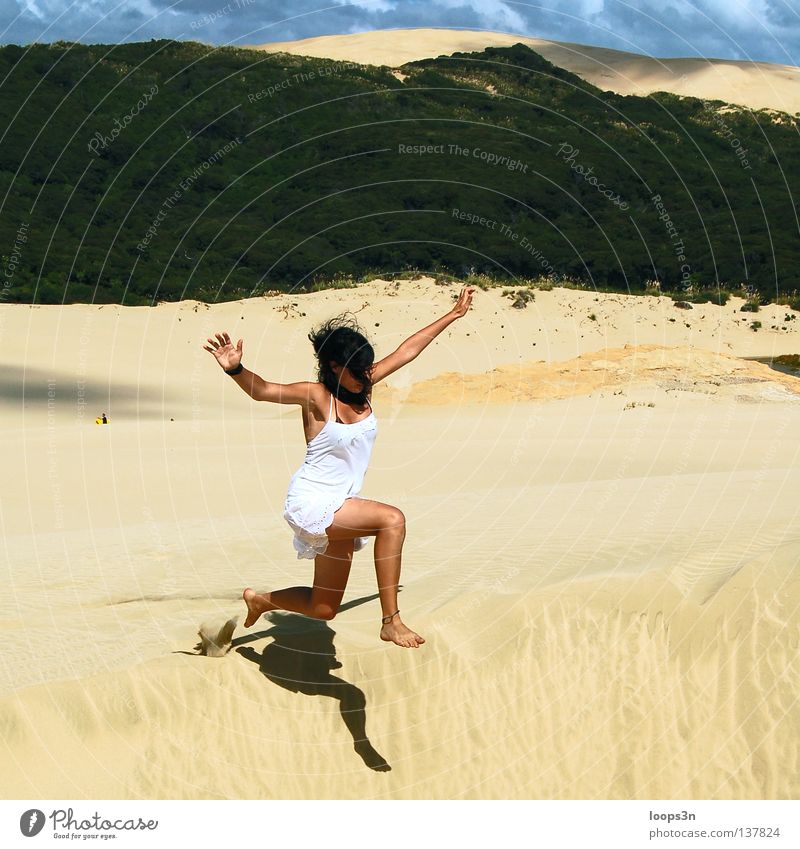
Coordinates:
31 8
370 5
734 12
495 14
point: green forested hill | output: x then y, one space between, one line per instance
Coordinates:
166 170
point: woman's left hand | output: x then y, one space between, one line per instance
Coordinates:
228 355
464 301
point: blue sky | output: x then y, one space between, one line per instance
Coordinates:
766 30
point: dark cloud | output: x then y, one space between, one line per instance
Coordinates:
767 30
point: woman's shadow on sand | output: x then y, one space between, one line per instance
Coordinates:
300 659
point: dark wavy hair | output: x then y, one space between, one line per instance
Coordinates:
340 340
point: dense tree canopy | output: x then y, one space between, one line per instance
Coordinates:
165 170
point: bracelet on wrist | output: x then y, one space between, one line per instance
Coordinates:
238 370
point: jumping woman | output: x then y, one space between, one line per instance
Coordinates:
330 520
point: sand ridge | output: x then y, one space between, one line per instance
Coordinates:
756 85
669 368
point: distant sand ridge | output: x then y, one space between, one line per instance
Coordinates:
757 85
673 368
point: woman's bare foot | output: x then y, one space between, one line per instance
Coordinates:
256 606
396 632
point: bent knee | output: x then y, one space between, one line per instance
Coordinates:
324 611
395 520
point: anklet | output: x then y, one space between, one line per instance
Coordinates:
387 619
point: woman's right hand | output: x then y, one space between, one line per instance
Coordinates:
464 301
228 355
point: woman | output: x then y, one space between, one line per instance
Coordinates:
329 519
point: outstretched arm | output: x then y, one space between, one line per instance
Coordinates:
414 345
229 356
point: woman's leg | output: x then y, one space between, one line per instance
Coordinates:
331 571
359 517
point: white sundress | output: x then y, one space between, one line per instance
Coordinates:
334 468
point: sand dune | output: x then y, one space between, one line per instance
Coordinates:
613 688
669 368
603 538
757 85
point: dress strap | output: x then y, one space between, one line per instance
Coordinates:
330 407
